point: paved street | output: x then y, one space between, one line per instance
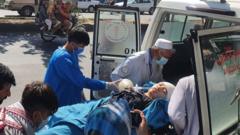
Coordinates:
27 56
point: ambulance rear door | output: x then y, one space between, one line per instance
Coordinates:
116 36
217 58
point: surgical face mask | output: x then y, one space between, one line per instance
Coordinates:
162 61
78 51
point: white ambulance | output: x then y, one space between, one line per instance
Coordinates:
193 26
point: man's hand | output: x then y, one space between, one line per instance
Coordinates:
142 129
113 85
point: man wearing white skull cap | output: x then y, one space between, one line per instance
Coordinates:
147 65
163 43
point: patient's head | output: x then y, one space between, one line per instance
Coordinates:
161 90
110 119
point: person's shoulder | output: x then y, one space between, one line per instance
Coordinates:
61 52
10 119
140 53
131 61
189 78
137 55
187 82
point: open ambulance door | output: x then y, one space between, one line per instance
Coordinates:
217 58
116 36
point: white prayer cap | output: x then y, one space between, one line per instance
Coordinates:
163 44
125 84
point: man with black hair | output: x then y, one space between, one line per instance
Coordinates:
7 79
64 74
31 113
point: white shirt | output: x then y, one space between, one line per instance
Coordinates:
139 68
182 108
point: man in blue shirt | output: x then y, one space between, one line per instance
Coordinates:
64 74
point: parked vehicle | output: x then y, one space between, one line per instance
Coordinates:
23 7
87 5
143 5
192 25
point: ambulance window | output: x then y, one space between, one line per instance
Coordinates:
221 59
145 1
172 27
218 24
192 22
117 33
177 27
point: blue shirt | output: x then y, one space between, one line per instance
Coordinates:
70 120
73 119
66 79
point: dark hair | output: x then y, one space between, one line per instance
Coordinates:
209 59
94 132
6 76
37 96
78 35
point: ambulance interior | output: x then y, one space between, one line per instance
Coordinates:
176 27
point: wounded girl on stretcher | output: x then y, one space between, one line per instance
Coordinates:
73 119
153 102
138 99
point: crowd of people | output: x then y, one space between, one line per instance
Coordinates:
56 105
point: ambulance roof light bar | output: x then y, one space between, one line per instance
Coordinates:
221 1
211 10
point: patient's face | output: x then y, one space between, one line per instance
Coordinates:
157 91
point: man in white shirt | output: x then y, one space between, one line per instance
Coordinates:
182 108
145 66
183 105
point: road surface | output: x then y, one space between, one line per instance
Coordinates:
27 56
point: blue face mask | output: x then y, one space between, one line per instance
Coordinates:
78 51
162 61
